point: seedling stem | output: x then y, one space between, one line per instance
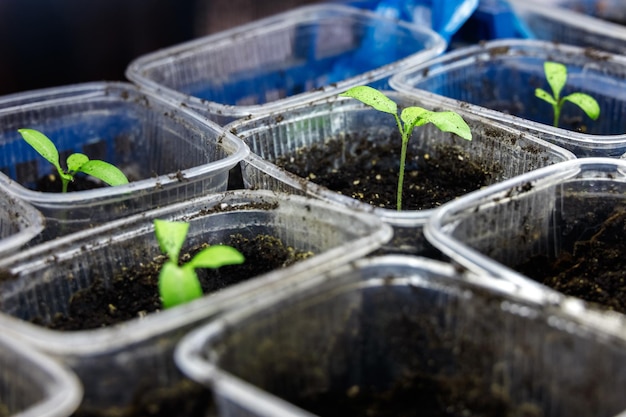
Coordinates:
410 117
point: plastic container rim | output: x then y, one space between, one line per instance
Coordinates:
404 80
106 339
189 356
403 218
571 17
61 95
480 263
136 68
65 393
35 224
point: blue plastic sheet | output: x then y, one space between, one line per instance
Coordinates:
443 16
378 48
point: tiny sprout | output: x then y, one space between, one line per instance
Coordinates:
76 162
556 74
180 284
446 121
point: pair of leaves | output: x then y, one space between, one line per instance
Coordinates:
180 284
76 162
556 75
446 121
410 117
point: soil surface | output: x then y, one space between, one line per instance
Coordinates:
134 292
407 361
369 172
418 395
52 184
593 266
184 399
576 123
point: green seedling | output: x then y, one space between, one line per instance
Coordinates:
556 74
446 121
179 284
76 162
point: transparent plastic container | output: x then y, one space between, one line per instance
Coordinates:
498 229
480 338
124 364
598 24
34 385
169 153
313 51
505 151
19 223
497 80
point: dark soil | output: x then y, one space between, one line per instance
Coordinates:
185 399
134 292
52 184
593 266
406 361
575 123
369 172
416 395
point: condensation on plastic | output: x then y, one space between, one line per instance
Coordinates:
497 80
494 229
34 385
380 320
587 23
270 137
169 153
121 363
310 52
20 223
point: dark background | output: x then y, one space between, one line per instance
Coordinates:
46 43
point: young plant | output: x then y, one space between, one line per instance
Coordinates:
446 121
76 162
556 74
178 284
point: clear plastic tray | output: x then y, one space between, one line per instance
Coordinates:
502 344
169 153
497 80
19 223
590 23
34 385
313 52
127 362
496 229
278 134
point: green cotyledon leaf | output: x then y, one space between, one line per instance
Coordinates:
372 97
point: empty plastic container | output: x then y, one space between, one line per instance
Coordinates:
542 214
33 384
600 24
314 51
19 223
502 151
123 365
168 153
418 335
498 79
